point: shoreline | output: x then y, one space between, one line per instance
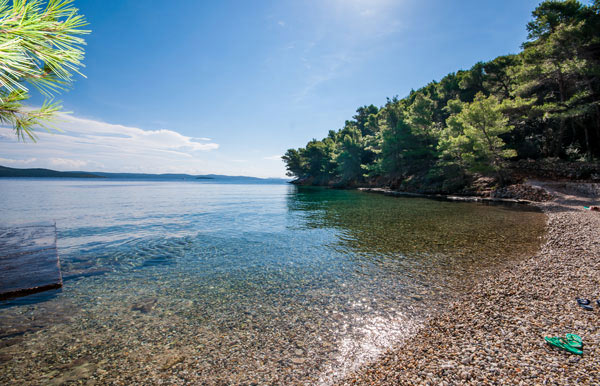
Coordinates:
447 197
495 334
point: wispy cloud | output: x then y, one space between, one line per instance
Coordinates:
18 161
63 163
91 144
342 41
322 69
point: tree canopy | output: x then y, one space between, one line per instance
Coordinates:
543 102
40 47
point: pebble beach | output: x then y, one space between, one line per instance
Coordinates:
495 334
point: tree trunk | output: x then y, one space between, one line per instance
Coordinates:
562 92
586 130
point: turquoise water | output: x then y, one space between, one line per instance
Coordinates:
190 282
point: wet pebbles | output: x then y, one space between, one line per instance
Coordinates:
306 305
495 335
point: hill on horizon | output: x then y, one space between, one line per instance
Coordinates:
48 173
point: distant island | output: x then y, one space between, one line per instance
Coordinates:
48 173
45 173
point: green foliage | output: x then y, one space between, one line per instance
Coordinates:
561 68
295 163
500 79
542 102
552 14
362 119
398 148
349 160
40 46
472 136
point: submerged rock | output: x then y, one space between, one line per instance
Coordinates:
144 305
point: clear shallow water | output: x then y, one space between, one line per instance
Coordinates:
175 282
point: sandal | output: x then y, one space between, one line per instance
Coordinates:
562 344
574 341
585 304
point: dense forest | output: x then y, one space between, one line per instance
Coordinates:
543 103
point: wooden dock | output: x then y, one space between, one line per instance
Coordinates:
28 260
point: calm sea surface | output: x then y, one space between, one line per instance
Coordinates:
191 282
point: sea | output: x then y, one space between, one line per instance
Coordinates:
201 282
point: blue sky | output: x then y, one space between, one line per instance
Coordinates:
227 86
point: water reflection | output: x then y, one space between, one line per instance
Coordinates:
421 238
184 282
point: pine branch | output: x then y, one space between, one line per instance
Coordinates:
40 46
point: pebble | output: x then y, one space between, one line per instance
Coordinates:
497 332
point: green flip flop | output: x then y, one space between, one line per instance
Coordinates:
574 341
562 344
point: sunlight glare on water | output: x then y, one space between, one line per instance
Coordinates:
238 283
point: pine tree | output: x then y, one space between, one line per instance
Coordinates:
473 135
40 46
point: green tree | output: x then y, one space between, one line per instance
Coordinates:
472 81
362 118
400 148
544 101
320 162
500 76
294 163
40 46
549 15
472 135
420 116
561 68
349 160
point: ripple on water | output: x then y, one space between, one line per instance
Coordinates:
242 283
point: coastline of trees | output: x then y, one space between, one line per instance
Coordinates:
543 102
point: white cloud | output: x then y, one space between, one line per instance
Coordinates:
99 146
111 134
9 161
91 145
67 163
281 23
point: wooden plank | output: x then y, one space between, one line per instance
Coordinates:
29 260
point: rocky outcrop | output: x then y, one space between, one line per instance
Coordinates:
523 192
555 169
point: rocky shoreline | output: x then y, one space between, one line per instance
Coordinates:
498 200
495 335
